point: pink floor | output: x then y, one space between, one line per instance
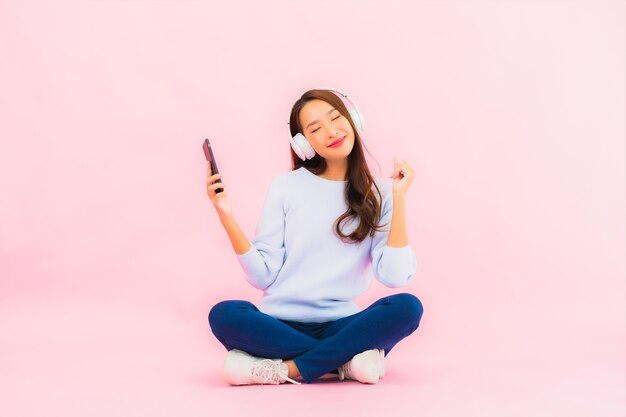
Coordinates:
77 360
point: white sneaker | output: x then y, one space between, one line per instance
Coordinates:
366 367
241 368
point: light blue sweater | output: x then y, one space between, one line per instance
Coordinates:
306 272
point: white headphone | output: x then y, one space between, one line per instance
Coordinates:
301 145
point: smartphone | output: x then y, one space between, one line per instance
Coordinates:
208 153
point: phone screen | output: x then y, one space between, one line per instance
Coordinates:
208 153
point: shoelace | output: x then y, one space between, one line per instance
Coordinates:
267 370
343 370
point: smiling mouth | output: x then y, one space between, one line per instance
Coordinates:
337 142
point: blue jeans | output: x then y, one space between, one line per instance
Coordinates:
316 348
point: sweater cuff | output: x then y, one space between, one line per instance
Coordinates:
252 266
249 261
398 251
245 254
400 265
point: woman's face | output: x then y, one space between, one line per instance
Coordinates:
322 124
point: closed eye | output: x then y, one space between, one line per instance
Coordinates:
313 131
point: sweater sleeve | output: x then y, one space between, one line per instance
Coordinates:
393 267
265 257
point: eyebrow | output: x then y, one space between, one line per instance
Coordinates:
315 121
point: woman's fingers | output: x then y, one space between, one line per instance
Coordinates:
215 185
211 189
401 168
212 183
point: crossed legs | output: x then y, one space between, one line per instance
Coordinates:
312 349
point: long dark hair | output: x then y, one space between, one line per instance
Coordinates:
362 203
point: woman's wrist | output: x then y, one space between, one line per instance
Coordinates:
226 218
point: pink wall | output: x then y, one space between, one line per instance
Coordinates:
511 113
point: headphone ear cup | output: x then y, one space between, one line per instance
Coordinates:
357 119
302 147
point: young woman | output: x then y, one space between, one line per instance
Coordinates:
323 225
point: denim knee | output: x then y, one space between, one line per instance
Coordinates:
410 307
224 310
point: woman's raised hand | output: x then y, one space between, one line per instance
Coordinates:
219 200
402 176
